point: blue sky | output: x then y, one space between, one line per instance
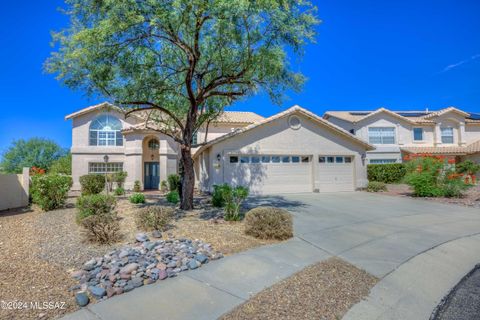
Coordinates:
396 54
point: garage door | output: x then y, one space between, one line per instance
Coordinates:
270 174
335 173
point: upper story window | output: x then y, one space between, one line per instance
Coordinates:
447 134
417 134
153 144
105 130
381 135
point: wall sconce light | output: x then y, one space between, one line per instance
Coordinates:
219 156
152 156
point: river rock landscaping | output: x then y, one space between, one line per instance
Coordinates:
142 263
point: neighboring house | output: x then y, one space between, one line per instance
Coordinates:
292 151
450 132
146 155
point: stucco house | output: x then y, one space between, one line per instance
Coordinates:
293 151
450 132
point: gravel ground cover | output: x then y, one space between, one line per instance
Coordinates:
40 250
323 291
470 199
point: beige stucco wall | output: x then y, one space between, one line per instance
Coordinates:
277 137
14 190
472 133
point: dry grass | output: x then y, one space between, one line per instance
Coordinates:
323 291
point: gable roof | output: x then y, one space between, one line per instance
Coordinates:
231 117
472 148
412 117
447 110
287 112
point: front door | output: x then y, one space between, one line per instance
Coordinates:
152 178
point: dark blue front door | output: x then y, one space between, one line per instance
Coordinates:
152 178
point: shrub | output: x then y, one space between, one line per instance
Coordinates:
94 205
50 191
163 186
269 223
119 178
387 173
102 228
119 191
467 167
62 165
136 186
217 196
173 182
375 186
110 180
173 197
137 198
233 200
154 217
92 183
453 187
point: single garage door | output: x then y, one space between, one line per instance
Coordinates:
270 174
335 173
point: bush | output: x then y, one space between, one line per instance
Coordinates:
453 187
102 228
154 218
50 191
269 223
217 196
173 182
62 165
92 183
163 186
137 198
136 186
110 179
375 186
94 205
387 173
467 167
119 191
233 200
173 197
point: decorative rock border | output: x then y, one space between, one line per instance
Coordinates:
139 264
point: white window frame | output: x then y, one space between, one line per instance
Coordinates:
423 134
381 134
335 159
105 137
102 167
382 161
442 135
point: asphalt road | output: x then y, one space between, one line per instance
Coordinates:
463 303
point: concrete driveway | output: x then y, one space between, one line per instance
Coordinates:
419 249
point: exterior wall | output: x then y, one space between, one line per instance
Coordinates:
14 190
472 133
278 138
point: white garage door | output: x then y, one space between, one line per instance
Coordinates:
269 174
335 173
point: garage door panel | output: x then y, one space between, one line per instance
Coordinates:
335 177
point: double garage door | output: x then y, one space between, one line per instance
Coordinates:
270 174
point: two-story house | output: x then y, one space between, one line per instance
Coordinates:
450 132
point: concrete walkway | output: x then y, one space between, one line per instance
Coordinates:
388 237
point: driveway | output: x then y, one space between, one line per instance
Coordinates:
419 249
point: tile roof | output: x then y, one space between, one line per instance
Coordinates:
457 150
291 110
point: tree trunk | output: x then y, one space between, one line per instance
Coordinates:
188 181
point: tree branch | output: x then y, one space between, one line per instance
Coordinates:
153 106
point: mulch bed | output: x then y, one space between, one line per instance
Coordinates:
471 197
326 290
38 250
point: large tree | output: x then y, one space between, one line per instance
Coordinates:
35 152
179 63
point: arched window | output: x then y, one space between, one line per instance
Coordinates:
153 144
105 130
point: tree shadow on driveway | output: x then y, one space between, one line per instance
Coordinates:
273 201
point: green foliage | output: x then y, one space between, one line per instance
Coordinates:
173 182
35 152
94 204
163 186
233 198
387 173
119 191
137 198
467 167
218 192
50 191
433 177
92 183
375 186
136 186
154 217
173 197
119 178
269 223
62 165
